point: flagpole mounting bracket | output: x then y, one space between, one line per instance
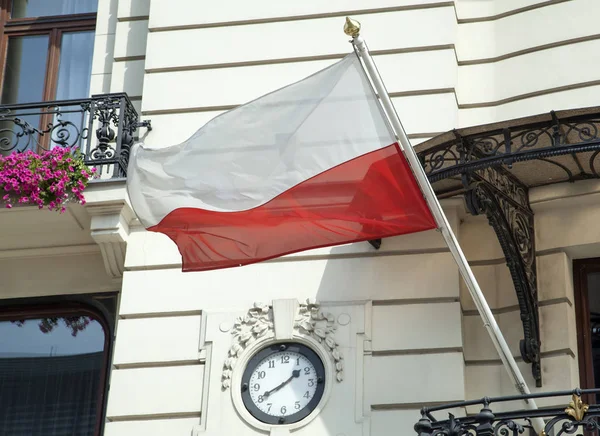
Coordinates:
376 243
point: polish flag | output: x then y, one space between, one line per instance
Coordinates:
314 164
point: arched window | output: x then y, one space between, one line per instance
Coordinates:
54 361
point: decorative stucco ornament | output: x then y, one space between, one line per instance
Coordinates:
321 326
258 322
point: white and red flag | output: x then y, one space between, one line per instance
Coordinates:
311 165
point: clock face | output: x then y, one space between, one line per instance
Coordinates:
283 383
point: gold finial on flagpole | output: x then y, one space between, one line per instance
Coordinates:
352 27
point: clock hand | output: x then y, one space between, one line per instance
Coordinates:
295 374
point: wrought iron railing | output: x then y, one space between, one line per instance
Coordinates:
103 128
575 417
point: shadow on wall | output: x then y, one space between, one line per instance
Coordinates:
405 267
359 272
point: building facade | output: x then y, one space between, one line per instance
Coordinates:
403 330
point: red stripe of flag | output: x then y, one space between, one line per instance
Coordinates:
369 197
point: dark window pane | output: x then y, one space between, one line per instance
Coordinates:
25 69
24 77
75 68
43 8
74 74
50 374
594 306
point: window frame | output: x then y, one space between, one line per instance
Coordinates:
581 269
96 306
53 26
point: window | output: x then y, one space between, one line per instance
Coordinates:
587 311
53 367
46 49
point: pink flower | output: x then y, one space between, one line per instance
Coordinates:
43 179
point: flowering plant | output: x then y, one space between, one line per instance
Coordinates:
51 178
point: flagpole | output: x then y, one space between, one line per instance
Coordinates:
352 28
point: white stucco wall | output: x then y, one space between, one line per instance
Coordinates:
446 65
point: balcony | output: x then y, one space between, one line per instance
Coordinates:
92 236
575 417
103 128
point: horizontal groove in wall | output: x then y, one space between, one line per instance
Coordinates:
552 301
136 18
419 92
424 135
557 197
163 364
530 95
501 260
130 58
510 13
415 93
161 314
496 311
399 302
153 417
529 50
296 59
303 17
410 406
302 258
487 262
190 110
416 351
515 308
135 97
543 355
67 250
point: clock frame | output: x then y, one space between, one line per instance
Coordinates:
263 353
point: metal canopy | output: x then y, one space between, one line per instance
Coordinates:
494 166
539 150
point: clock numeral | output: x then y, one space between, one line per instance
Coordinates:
261 399
298 361
285 359
261 374
306 395
269 405
256 387
311 382
297 405
283 410
307 370
271 364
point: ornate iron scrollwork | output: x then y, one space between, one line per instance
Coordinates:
117 123
43 125
504 201
476 161
575 419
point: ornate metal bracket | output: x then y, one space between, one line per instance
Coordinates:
505 202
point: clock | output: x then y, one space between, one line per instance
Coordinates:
283 383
